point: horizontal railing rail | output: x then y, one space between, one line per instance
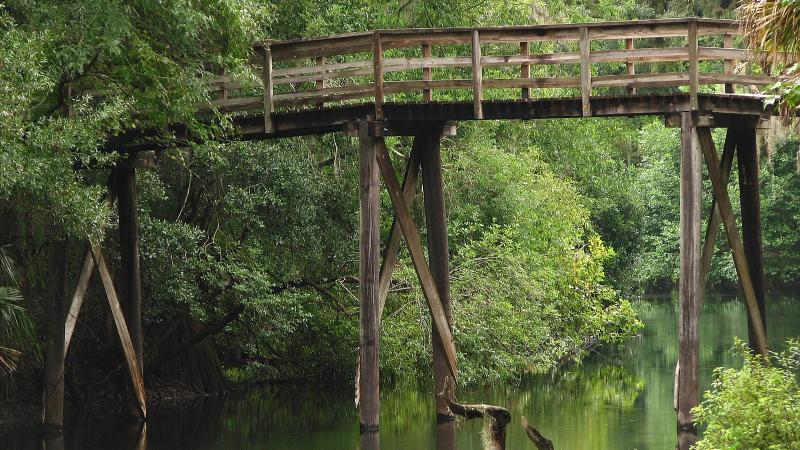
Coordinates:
579 58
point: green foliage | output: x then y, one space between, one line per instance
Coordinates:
756 407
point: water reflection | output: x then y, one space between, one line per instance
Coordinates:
621 400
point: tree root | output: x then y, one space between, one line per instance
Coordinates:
499 417
541 442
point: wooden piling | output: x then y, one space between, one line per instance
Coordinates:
438 254
689 288
130 279
369 248
749 197
53 396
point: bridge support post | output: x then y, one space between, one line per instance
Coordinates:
749 196
130 277
368 395
53 396
438 255
689 288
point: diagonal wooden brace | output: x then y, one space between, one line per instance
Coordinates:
715 219
734 240
395 233
77 299
414 242
134 371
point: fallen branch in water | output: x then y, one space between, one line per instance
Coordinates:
541 442
499 417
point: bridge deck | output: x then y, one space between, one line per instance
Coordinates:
319 85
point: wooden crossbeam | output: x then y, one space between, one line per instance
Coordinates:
77 298
734 240
414 242
715 219
134 371
395 233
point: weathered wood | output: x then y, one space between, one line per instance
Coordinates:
689 283
694 66
266 79
395 233
714 219
750 200
53 390
77 299
284 73
327 94
414 242
586 72
427 74
630 67
134 369
438 251
525 69
369 248
734 241
377 65
499 416
130 279
728 64
541 442
477 75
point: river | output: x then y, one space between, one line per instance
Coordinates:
615 400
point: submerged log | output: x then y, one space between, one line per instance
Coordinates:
499 416
541 442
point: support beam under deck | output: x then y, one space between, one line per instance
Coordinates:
369 267
429 146
689 289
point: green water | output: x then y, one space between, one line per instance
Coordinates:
621 400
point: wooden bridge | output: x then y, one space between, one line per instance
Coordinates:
420 82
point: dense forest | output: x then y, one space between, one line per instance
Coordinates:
555 225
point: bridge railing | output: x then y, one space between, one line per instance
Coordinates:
496 63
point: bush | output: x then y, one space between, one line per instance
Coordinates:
755 407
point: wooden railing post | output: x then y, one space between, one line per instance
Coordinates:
377 63
267 80
320 84
631 68
728 64
694 70
477 75
427 74
586 72
525 70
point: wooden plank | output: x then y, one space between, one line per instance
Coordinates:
130 274
477 76
750 200
669 79
286 72
77 299
343 44
734 241
377 63
266 79
426 62
728 64
369 248
586 72
542 59
414 242
330 94
691 187
416 85
694 66
316 77
525 69
630 67
134 369
714 219
395 233
438 253
427 73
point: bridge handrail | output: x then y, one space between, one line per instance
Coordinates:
359 59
